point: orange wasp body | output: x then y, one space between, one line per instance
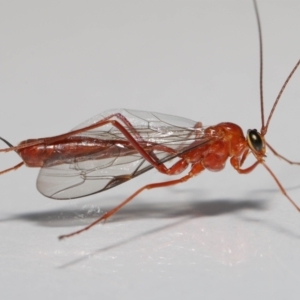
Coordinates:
118 145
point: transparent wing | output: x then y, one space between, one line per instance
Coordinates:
163 136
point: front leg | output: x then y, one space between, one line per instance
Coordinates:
236 163
282 157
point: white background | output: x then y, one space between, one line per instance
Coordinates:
221 235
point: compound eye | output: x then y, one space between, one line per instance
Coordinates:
255 140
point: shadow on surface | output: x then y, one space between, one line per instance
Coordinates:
122 243
81 217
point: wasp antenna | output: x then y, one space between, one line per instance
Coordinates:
6 142
265 128
260 65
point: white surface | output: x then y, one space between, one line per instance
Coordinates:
219 236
